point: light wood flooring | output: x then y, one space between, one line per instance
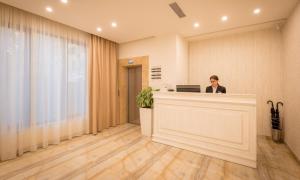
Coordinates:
123 153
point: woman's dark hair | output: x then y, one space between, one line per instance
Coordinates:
215 77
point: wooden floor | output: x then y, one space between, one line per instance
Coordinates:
122 153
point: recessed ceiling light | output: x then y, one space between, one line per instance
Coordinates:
114 24
99 29
196 25
224 18
64 1
49 9
256 11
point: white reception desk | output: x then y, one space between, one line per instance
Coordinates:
218 125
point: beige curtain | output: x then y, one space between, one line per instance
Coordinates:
103 84
43 77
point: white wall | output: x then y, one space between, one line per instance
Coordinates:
245 63
249 62
181 60
291 40
168 51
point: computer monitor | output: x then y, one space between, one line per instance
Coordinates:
188 88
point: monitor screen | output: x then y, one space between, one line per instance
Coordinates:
188 88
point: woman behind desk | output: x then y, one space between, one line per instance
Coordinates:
215 87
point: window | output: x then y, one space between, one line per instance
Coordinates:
43 77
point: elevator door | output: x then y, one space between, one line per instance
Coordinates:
134 87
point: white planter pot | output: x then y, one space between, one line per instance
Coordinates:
146 121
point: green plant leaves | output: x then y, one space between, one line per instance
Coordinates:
145 98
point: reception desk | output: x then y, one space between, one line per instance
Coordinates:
218 125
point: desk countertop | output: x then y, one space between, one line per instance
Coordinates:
249 99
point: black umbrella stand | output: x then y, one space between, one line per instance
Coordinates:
275 120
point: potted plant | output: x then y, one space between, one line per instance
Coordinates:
145 101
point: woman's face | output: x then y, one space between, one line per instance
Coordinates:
214 83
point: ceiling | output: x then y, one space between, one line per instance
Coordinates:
138 19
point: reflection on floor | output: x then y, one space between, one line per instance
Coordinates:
122 153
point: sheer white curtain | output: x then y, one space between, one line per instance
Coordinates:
43 82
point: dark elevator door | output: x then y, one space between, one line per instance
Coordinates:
134 87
